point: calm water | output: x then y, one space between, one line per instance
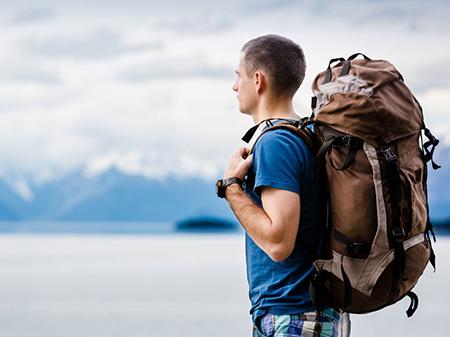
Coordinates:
163 285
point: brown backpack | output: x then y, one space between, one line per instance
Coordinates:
370 128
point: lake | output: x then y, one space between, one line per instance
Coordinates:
162 285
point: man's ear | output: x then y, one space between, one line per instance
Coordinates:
260 81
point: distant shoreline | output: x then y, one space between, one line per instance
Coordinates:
129 228
116 228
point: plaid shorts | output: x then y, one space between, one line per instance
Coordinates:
329 323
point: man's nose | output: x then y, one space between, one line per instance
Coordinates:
235 87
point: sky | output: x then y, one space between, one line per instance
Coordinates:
145 86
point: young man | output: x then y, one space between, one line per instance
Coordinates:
281 206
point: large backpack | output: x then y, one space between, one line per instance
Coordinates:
369 127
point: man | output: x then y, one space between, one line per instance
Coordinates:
280 208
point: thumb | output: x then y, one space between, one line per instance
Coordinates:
243 152
249 160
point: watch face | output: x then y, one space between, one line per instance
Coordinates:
219 188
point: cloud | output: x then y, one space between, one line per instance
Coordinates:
435 103
23 189
175 67
32 15
146 87
194 24
433 74
97 45
411 16
151 164
152 129
25 99
29 73
266 5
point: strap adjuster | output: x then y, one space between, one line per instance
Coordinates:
358 248
346 140
398 234
388 154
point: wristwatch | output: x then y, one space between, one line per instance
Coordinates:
221 185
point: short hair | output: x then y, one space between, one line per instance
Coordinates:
281 58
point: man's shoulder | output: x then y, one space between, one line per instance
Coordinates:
280 139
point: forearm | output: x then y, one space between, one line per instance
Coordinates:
254 219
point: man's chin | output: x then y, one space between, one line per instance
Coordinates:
245 112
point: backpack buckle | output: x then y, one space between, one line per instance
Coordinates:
388 154
398 234
359 249
346 140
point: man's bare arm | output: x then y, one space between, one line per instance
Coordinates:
273 227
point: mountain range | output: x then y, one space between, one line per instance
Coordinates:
113 196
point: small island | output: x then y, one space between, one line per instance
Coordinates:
206 224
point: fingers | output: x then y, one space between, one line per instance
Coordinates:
248 161
244 152
239 164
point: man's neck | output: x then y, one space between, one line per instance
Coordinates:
281 109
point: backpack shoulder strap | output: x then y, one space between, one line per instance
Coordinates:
304 133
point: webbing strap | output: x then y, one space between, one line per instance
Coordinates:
433 142
432 255
341 237
347 284
397 232
353 248
347 64
413 305
429 228
293 126
251 132
352 143
319 292
349 158
428 155
328 73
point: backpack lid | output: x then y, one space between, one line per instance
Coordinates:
370 102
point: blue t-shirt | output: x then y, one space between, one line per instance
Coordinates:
282 160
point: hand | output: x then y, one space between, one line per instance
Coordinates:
239 164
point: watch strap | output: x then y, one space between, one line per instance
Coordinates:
232 180
222 184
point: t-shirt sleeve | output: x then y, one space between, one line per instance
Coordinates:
279 161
